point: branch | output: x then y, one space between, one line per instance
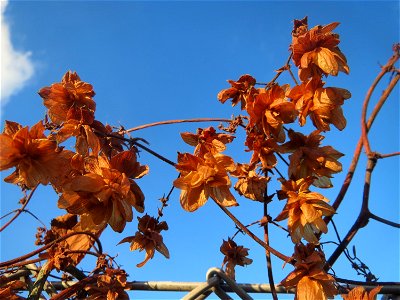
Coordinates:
168 122
267 253
384 221
286 67
28 255
20 210
385 69
362 219
378 155
357 151
133 141
253 236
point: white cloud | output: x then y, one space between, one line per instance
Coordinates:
16 66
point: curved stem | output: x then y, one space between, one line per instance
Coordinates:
20 210
387 68
168 122
350 173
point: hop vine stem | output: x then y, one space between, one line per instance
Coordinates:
253 236
357 152
20 210
365 214
11 262
169 122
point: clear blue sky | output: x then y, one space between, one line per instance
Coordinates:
152 61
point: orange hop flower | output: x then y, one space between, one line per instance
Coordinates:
359 293
207 140
250 184
107 192
322 104
304 210
110 285
202 178
70 99
85 137
270 110
62 253
309 159
263 150
309 277
110 145
234 256
241 91
148 238
316 51
37 159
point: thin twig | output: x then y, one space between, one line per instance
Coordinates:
248 225
164 201
361 220
27 262
134 142
267 252
385 69
384 221
253 236
28 255
280 71
350 173
378 155
168 122
147 149
20 210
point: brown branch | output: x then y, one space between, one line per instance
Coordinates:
384 221
253 236
20 210
133 141
350 173
147 149
362 219
27 262
385 69
378 155
280 71
168 122
164 201
37 251
267 252
248 225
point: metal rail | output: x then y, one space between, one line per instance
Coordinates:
217 282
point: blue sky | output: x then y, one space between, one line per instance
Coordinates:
152 61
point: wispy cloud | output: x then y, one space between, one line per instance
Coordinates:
16 66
